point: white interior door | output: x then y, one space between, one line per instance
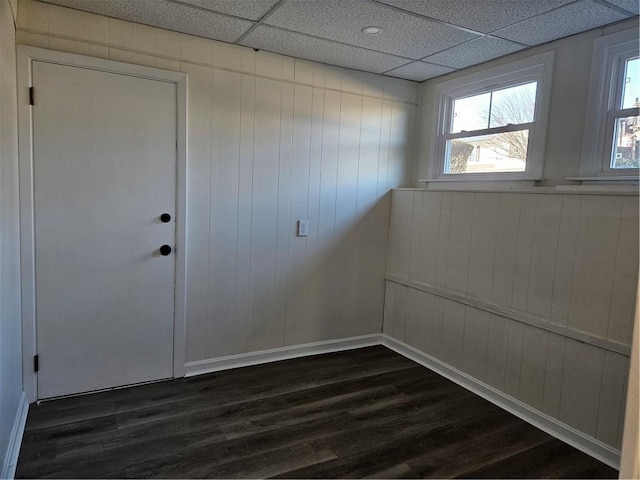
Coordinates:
104 164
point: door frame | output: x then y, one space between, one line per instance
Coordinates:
26 55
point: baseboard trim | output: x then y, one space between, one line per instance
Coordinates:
550 425
276 354
15 441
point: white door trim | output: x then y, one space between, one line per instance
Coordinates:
25 57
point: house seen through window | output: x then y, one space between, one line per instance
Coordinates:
490 131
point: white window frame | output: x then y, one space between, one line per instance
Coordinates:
610 53
537 68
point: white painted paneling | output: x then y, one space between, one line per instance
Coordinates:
532 370
522 266
199 144
497 345
594 263
426 253
264 152
245 190
505 251
543 254
566 250
625 275
612 397
459 241
581 383
510 328
223 207
483 240
554 371
265 325
10 312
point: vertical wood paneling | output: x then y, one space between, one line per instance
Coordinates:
453 332
594 263
385 139
245 187
223 236
520 251
581 386
523 252
611 402
399 148
554 371
567 236
301 145
543 255
399 257
625 275
326 220
198 213
284 234
476 335
497 349
416 235
367 240
459 241
417 304
437 326
514 359
483 240
534 362
389 308
400 311
429 228
443 239
313 279
505 251
265 324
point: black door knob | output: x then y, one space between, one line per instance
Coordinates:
165 218
165 250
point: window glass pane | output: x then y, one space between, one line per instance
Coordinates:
631 84
471 113
513 105
501 152
626 143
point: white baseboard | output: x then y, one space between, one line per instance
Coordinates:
550 425
15 441
276 354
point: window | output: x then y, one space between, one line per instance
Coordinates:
491 125
611 148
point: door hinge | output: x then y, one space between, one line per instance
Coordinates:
36 363
31 96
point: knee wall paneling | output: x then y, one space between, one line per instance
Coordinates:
271 140
530 293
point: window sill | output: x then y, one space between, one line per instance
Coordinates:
618 178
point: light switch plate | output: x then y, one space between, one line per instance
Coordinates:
303 228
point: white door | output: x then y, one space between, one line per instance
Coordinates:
104 165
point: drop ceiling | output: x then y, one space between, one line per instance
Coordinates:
420 39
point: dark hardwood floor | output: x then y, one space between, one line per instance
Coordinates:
356 414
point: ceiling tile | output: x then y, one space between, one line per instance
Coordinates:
419 71
632 6
403 34
251 9
474 52
574 18
319 50
166 14
484 16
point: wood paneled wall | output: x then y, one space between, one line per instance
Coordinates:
271 140
531 293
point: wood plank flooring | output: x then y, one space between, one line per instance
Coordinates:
356 414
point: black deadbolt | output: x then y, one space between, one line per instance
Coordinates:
165 218
165 250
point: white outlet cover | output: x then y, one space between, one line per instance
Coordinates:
303 228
